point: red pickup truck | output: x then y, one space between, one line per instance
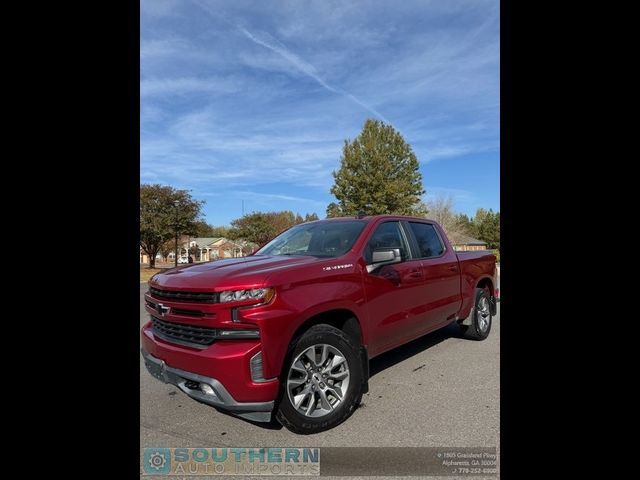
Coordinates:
290 329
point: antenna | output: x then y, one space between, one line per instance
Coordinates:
243 208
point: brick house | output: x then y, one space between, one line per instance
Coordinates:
465 243
207 248
212 248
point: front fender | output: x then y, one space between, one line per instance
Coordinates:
295 305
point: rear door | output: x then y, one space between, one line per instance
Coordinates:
394 292
441 293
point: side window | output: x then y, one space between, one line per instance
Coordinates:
387 235
429 243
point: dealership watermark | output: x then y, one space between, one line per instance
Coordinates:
231 461
409 461
336 461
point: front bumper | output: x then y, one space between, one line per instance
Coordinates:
217 395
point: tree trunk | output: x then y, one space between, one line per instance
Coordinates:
152 261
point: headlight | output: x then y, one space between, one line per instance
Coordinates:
260 295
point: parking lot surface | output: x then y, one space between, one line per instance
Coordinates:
440 390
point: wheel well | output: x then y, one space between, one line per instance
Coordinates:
346 321
341 319
486 282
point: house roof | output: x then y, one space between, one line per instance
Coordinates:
204 242
460 239
214 242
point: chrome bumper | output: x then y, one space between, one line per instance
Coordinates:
215 394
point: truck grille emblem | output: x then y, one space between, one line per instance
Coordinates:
162 310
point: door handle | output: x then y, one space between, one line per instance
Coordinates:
415 273
453 268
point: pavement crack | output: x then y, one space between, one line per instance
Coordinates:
191 438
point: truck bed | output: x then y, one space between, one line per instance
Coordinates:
473 265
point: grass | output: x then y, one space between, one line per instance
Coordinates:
146 273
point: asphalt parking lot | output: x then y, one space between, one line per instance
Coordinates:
439 390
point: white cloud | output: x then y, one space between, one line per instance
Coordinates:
159 8
270 196
186 85
228 107
305 67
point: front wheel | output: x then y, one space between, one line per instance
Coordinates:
481 320
322 381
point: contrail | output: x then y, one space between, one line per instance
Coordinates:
307 69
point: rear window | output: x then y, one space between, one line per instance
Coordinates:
429 243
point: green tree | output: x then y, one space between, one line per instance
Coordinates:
486 227
464 224
379 173
311 217
166 248
220 231
202 229
165 213
261 227
334 210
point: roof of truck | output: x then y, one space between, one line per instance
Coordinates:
375 217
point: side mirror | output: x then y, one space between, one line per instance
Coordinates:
384 256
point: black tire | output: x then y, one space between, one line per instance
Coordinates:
475 331
288 415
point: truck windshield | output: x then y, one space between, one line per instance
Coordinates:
318 239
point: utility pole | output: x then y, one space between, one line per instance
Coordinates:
175 259
243 208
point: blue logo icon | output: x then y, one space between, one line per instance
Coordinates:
157 461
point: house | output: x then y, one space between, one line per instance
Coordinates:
211 248
144 257
465 243
204 249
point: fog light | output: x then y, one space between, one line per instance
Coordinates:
207 389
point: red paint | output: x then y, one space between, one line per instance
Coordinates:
399 303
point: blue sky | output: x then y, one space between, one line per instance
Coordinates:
252 100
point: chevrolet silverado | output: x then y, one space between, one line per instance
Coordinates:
288 332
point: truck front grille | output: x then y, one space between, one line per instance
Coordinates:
206 297
189 335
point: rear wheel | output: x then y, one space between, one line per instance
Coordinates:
481 318
322 381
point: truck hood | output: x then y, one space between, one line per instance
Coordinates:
228 274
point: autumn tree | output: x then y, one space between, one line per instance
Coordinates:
485 225
440 209
379 174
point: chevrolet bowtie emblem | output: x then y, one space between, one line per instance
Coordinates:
161 309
